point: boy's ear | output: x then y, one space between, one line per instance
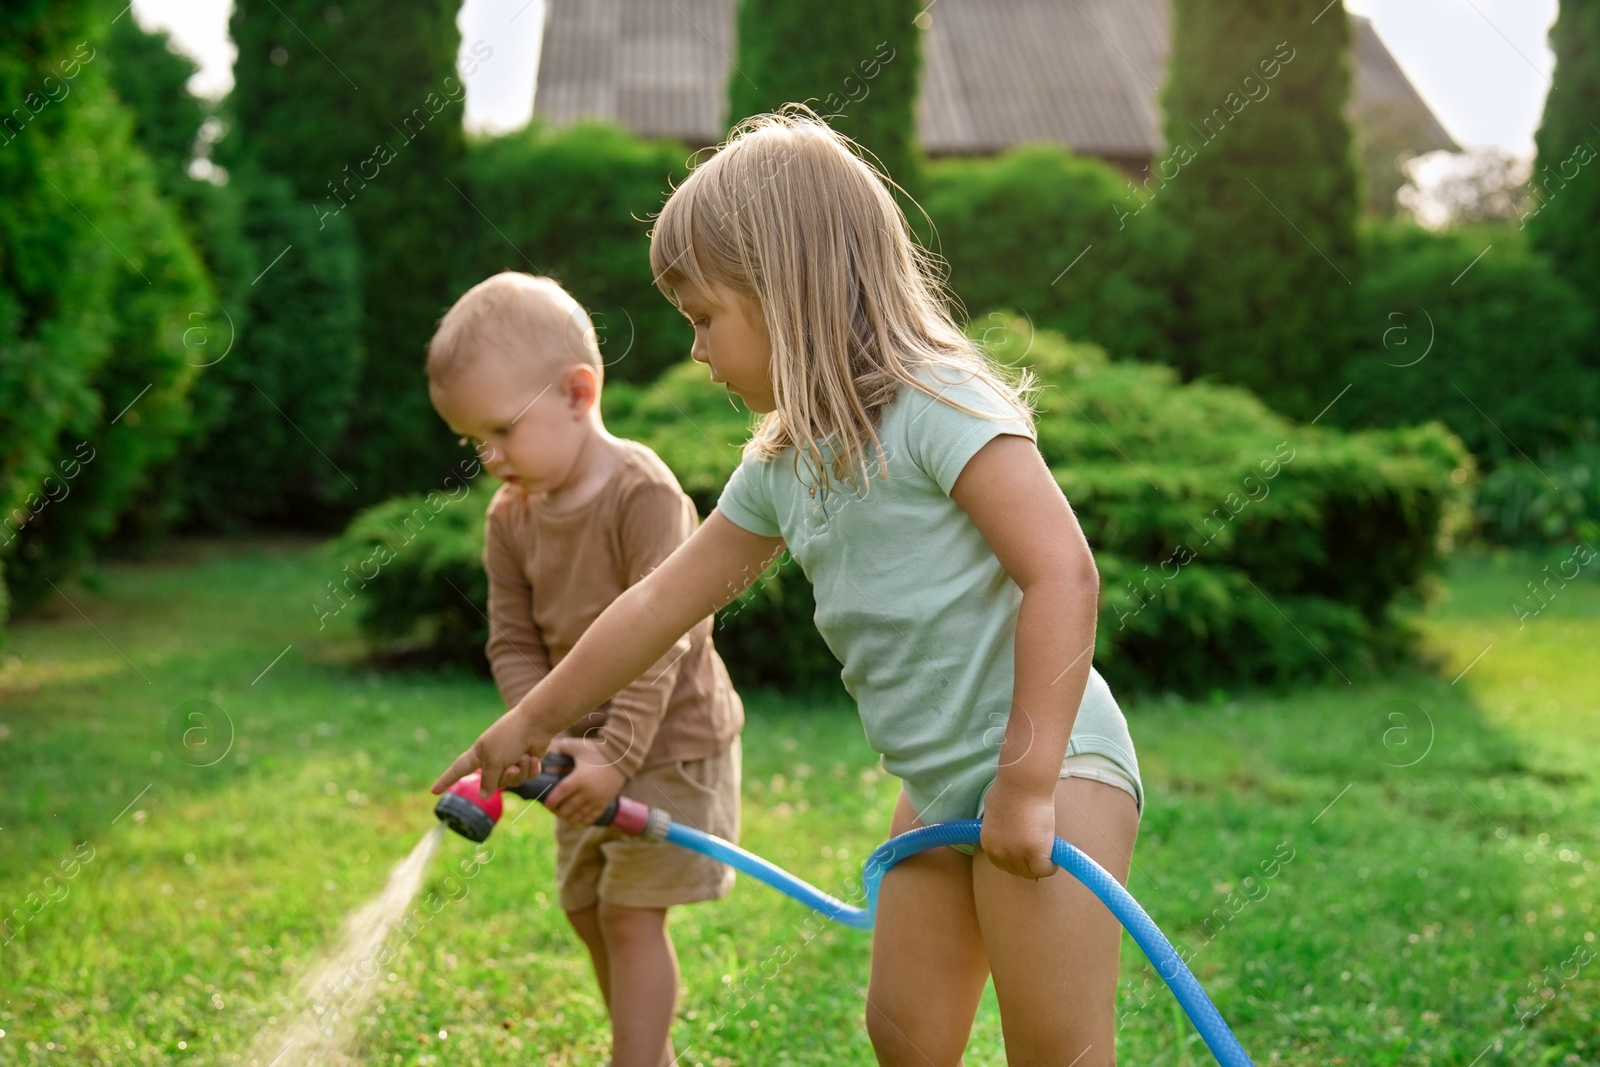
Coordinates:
582 387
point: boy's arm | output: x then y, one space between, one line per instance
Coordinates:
516 652
656 519
715 565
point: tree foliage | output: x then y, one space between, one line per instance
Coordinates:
97 278
1259 182
857 65
359 106
1445 323
575 204
1037 229
1566 176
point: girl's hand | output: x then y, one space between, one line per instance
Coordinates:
506 752
1019 830
594 783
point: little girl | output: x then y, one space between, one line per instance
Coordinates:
952 582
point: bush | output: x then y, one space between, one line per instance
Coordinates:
280 355
100 280
1497 349
55 322
1011 227
574 204
1556 502
1214 522
1259 183
273 409
372 134
1567 207
859 68
413 568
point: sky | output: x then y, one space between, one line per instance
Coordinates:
1483 66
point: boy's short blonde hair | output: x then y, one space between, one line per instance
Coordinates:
520 316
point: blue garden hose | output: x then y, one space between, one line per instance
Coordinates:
1169 965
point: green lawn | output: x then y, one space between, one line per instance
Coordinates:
1441 889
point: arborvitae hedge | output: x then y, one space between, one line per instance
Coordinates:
277 404
359 105
1566 178
279 355
151 78
856 64
97 279
1259 182
56 275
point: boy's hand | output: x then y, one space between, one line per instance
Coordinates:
506 753
594 783
1019 830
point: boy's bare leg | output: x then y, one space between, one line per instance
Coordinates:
928 967
644 984
587 923
1052 945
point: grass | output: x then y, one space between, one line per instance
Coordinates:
1401 870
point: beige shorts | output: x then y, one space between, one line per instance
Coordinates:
597 863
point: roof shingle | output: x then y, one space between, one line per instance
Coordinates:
1085 73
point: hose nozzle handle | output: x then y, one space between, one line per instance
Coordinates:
474 817
554 767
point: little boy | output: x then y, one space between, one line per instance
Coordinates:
582 516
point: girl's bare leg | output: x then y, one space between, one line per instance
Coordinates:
928 967
1052 945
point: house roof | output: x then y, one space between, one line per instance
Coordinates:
1085 73
656 67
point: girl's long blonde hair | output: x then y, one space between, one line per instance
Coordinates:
786 213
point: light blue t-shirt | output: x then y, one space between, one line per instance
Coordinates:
913 602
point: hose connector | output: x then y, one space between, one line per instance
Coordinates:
656 825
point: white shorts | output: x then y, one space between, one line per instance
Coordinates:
1098 768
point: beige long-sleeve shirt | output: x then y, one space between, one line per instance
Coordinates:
551 573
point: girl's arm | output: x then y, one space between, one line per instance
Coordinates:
1014 501
711 568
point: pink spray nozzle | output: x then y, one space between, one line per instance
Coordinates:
474 817
465 812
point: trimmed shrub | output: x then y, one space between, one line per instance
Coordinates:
1567 174
99 281
1448 321
859 68
1259 182
413 568
279 357
56 275
276 406
1214 522
359 106
574 204
1053 235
